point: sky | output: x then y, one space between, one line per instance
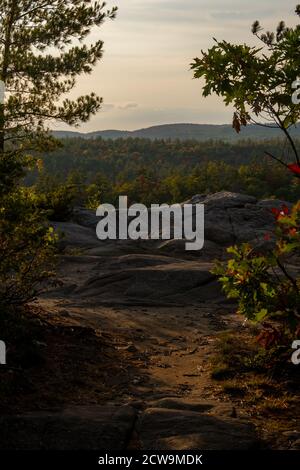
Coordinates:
145 77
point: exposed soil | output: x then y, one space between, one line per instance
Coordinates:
94 350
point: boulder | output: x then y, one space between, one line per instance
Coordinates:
228 200
85 217
74 235
236 218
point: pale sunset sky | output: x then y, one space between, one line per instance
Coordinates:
145 77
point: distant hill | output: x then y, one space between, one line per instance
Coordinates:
199 132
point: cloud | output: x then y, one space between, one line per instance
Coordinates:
149 47
230 15
107 107
122 106
128 106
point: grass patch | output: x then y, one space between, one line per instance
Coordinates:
263 383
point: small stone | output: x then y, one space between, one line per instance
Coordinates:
136 381
131 348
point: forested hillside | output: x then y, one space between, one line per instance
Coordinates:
161 171
200 132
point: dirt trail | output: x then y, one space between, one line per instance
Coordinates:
172 341
166 375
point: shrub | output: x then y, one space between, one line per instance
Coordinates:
261 282
27 247
55 198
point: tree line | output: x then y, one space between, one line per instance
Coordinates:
90 172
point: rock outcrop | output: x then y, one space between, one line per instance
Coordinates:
229 218
162 271
79 428
169 424
178 424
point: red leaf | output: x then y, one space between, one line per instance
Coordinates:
285 209
278 213
294 168
275 212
